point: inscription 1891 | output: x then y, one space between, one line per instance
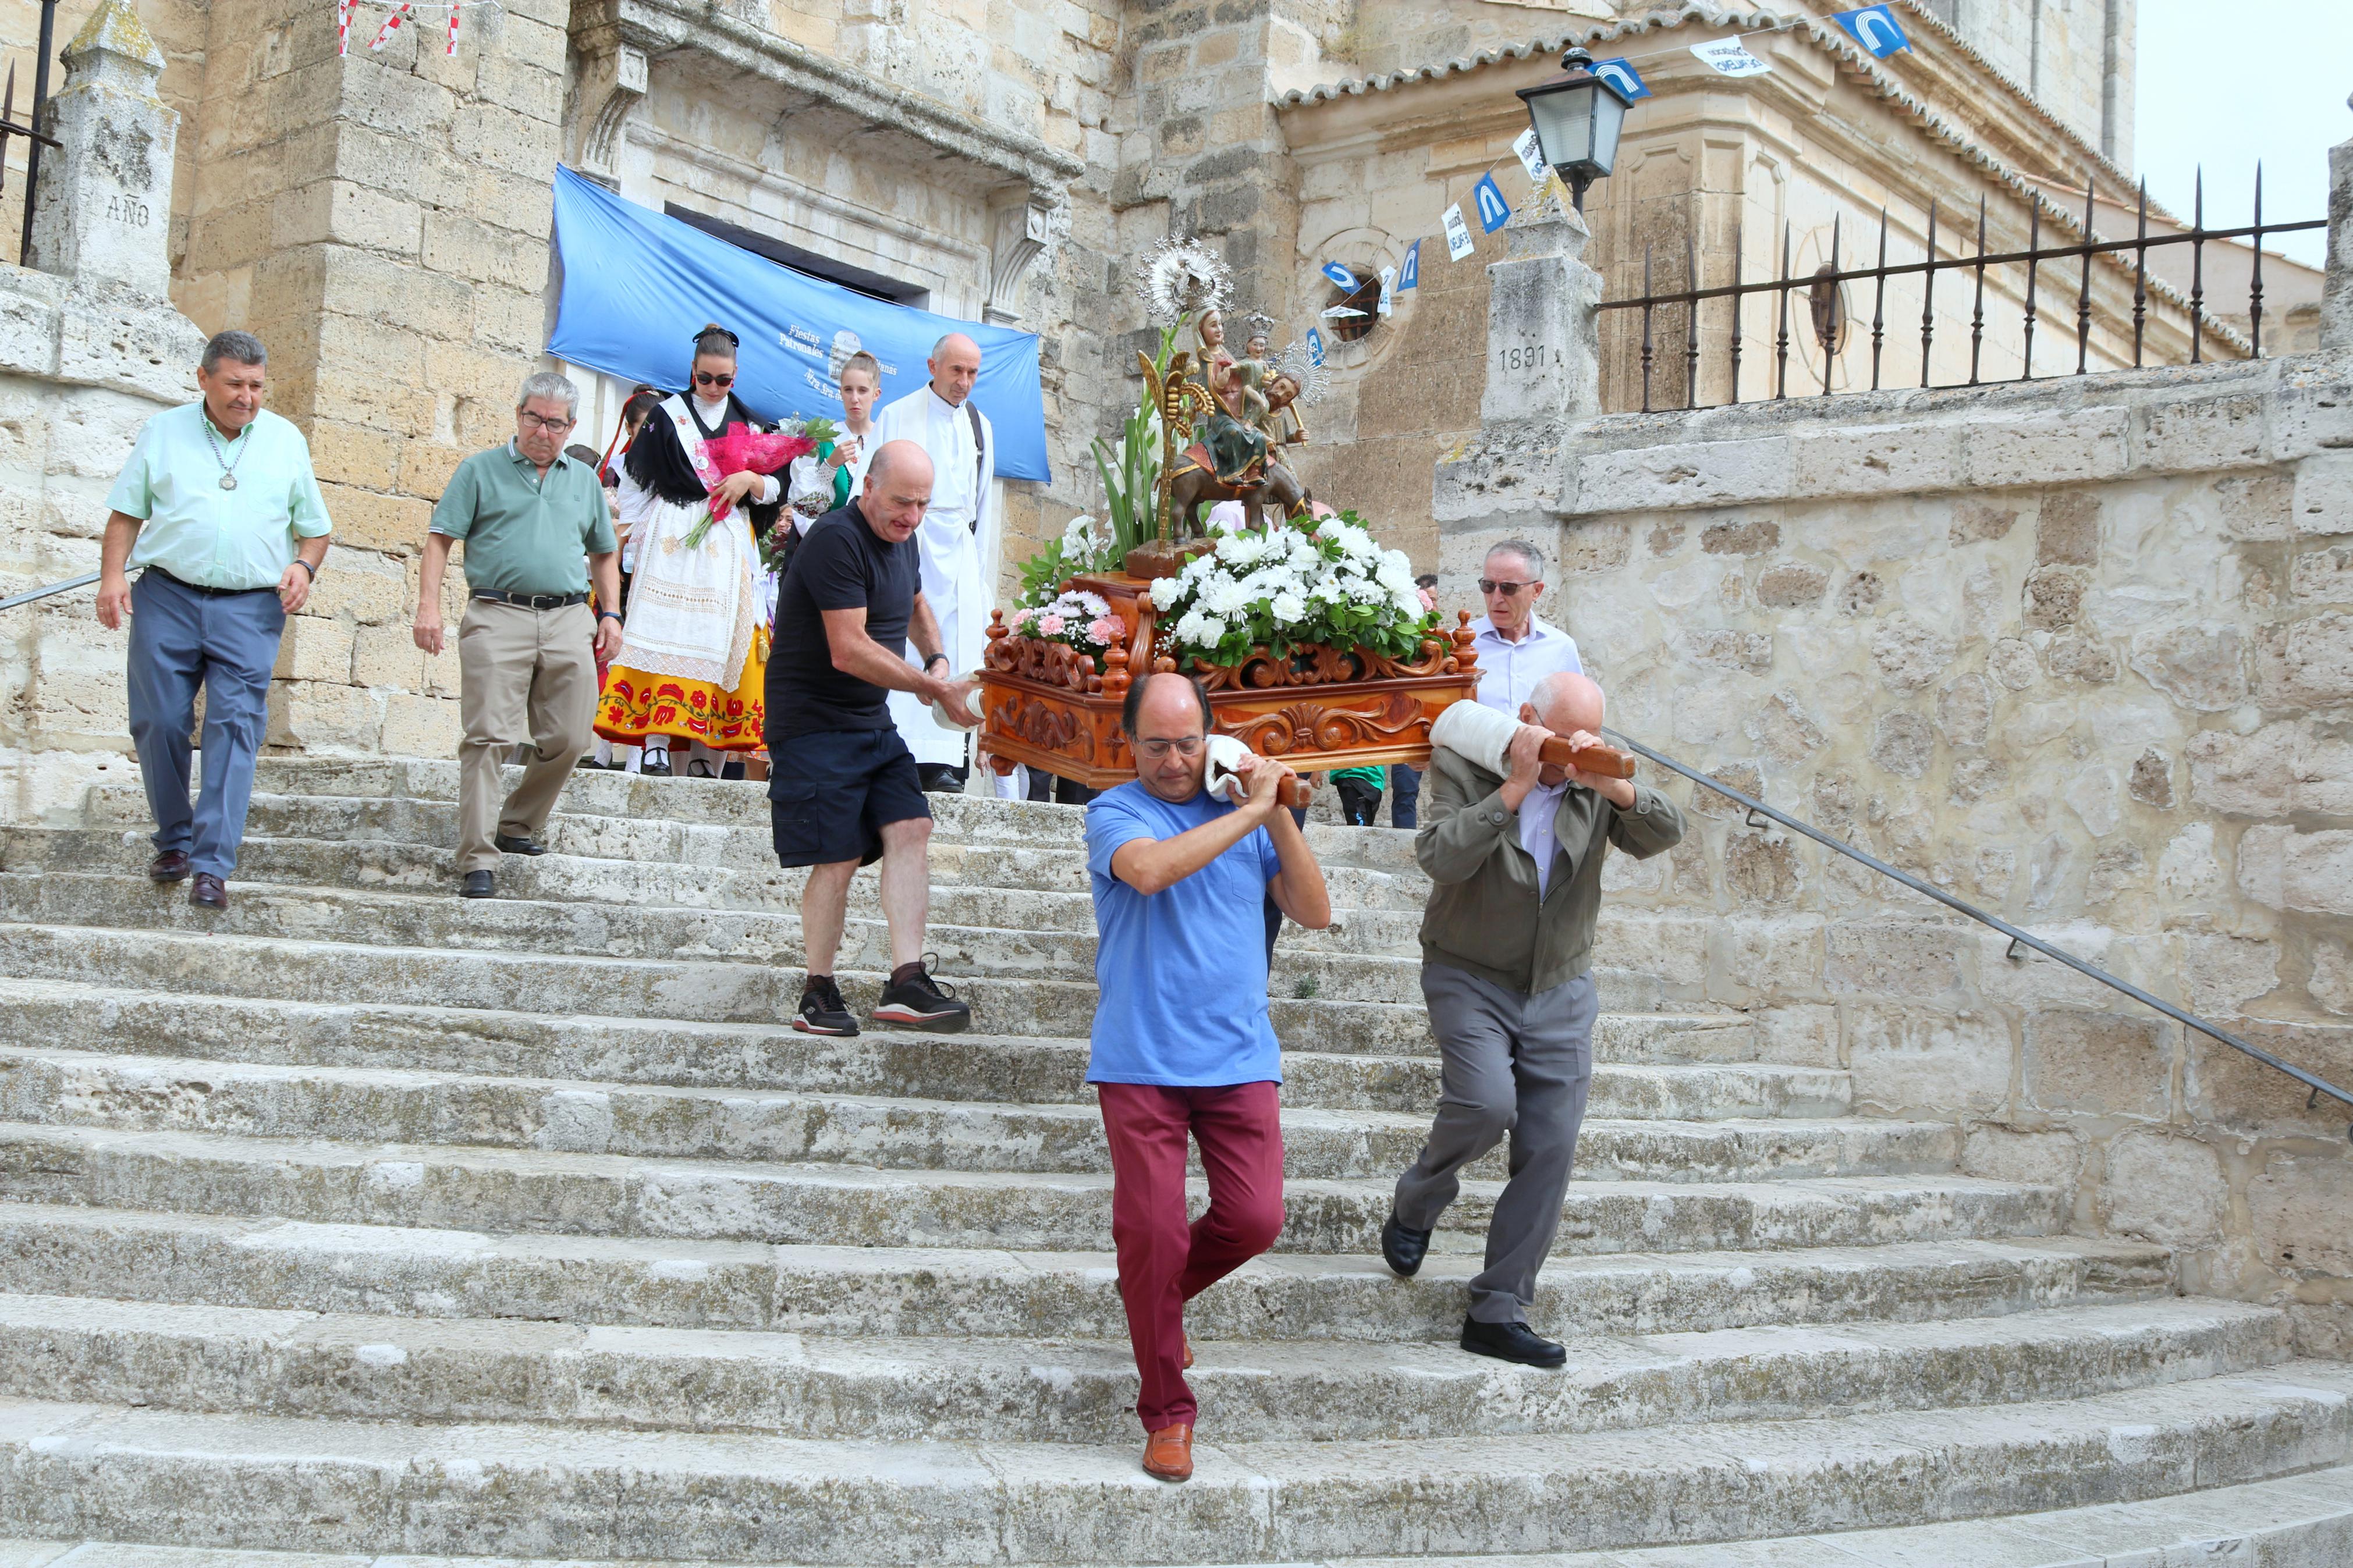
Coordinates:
127 211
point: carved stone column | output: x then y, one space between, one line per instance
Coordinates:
104 212
610 84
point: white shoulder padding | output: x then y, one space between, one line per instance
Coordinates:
1476 734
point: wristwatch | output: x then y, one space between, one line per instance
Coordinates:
608 615
307 567
937 659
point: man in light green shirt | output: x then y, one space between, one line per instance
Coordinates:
537 530
220 512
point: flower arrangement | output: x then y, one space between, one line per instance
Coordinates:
1085 546
1287 585
1079 618
1082 620
740 449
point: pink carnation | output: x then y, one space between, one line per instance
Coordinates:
1049 625
1106 630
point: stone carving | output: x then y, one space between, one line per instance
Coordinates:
103 211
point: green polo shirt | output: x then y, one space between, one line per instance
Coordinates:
524 534
241 537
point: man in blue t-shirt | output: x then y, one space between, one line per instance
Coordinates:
1182 1046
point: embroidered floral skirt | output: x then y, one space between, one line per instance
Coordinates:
634 705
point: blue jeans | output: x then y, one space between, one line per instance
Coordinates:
228 643
1404 795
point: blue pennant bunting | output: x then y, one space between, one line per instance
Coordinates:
1874 27
1494 211
1620 74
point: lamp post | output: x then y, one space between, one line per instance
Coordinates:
1577 116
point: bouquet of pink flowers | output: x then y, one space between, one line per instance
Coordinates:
740 449
1079 618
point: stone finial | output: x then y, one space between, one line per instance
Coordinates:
2336 290
103 210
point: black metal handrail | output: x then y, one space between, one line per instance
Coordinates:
68 587
1829 322
2017 939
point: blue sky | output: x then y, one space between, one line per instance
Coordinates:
2226 82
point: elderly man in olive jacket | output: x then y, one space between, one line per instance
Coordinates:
1506 960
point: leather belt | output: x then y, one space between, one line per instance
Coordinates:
531 601
208 593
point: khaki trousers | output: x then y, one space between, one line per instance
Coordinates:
526 676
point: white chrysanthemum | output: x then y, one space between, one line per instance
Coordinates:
1225 596
1288 608
1095 604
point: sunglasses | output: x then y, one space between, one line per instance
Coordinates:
705 378
1489 586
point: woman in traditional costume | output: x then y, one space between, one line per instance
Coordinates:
826 479
693 659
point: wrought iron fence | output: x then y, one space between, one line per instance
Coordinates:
1827 320
29 127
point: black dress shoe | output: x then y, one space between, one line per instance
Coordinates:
207 891
1403 1250
1511 1341
656 767
477 884
171 865
506 844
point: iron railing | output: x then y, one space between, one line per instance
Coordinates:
2019 940
1828 324
30 596
30 127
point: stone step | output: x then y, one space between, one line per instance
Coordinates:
365 1367
653 1282
744 804
1639 1071
1039 890
686 991
612 1195
2293 1522
637 933
155 1093
203 1479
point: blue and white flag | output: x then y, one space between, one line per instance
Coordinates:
1531 155
1620 74
1873 26
1389 289
1494 211
1409 275
1340 276
1315 348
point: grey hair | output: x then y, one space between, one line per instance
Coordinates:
941 347
1530 556
242 347
549 384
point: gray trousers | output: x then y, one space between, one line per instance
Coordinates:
1517 1064
227 643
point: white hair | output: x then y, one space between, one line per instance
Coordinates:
551 385
1530 556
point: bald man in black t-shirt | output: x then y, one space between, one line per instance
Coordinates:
842 789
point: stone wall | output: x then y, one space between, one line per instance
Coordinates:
2080 652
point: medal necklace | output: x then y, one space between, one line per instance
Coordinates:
228 469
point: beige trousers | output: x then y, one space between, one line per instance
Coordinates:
526 676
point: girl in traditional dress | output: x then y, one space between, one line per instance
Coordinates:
826 479
693 659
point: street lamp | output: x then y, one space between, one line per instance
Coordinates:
1577 117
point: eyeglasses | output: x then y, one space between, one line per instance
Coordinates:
705 378
1158 751
1489 586
530 421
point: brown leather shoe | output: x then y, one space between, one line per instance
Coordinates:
207 891
1188 1352
1168 1453
171 865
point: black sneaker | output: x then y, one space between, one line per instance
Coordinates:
823 1012
923 1003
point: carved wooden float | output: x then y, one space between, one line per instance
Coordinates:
1052 707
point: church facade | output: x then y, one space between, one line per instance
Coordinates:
381 218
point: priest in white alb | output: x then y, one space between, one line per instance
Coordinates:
958 540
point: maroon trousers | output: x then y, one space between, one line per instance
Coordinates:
1163 1262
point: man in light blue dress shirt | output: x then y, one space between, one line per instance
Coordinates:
219 511
1516 647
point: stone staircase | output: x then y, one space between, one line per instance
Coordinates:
362 1221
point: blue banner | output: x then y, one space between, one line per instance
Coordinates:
1494 211
1620 74
638 283
1873 26
1315 348
1340 276
1409 275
